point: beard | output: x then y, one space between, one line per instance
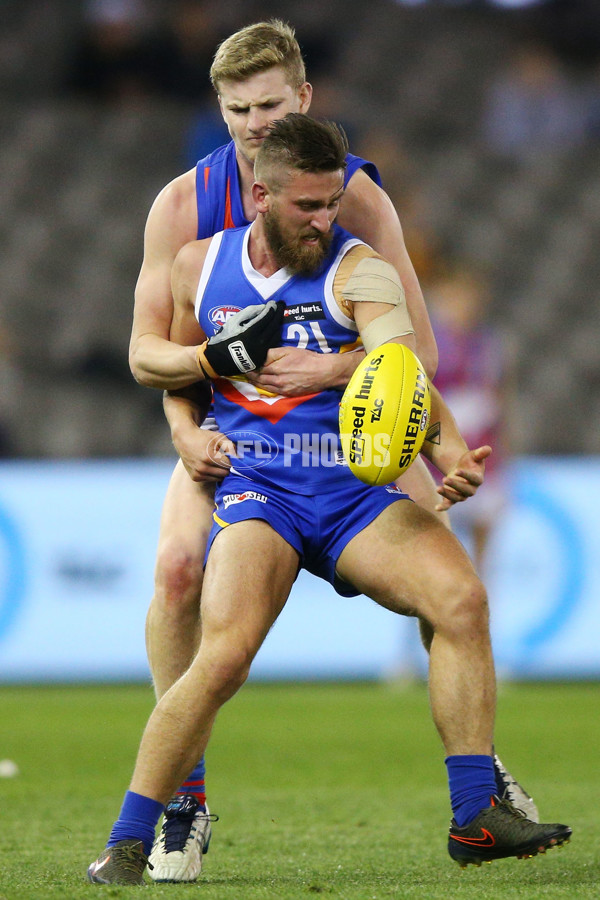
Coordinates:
289 250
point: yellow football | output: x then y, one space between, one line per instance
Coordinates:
384 414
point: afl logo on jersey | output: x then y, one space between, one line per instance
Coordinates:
218 315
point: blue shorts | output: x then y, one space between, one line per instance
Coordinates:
318 526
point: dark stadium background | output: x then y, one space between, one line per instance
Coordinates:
89 135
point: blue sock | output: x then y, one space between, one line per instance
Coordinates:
137 819
472 783
194 784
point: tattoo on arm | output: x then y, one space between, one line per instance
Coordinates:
434 433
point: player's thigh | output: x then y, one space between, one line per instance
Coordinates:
249 574
186 517
419 484
407 561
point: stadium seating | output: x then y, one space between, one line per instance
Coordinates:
78 180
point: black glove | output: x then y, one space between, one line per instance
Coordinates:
244 341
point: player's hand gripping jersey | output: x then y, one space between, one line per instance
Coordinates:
289 441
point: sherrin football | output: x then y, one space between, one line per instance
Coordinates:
384 414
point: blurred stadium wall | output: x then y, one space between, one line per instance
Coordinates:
77 547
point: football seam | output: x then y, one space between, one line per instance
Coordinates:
398 410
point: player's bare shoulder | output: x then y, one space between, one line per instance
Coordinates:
187 268
173 218
185 277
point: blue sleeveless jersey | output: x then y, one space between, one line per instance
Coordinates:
218 194
292 442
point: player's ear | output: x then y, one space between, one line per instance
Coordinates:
260 195
305 97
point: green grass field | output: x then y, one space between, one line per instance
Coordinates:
329 789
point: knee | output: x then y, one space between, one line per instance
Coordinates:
228 672
178 575
463 608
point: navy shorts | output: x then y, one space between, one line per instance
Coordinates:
318 526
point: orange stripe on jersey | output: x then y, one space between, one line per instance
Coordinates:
228 223
349 348
272 412
206 174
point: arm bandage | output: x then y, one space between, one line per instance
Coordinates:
376 281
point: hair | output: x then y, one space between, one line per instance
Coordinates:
299 142
256 48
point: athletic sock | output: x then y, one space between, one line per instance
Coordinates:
472 783
195 784
137 819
